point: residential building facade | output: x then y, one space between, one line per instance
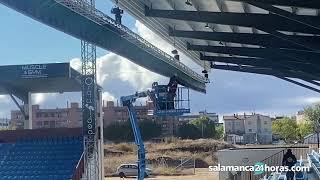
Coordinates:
5 124
255 128
301 117
71 117
213 117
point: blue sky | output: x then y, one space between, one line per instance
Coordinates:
23 40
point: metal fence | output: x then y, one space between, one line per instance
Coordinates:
187 164
300 151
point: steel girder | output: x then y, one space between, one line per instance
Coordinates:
264 22
263 71
312 4
265 40
271 53
263 62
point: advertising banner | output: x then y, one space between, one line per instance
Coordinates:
88 106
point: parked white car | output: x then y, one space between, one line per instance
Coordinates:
125 170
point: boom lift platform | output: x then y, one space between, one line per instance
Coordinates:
168 100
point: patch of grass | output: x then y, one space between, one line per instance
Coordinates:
173 150
111 163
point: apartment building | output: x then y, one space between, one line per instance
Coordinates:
71 117
301 117
4 123
213 117
250 129
115 113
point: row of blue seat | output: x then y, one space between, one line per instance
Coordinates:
50 140
40 159
37 177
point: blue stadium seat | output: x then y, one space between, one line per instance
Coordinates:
49 158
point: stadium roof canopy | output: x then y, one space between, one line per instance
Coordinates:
271 37
19 80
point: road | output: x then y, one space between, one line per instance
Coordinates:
201 174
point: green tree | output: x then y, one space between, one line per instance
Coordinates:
313 115
305 129
219 132
189 131
206 127
123 132
287 129
149 129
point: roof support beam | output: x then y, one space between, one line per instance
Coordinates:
264 72
259 21
312 4
295 55
265 40
312 82
299 84
280 64
282 13
18 105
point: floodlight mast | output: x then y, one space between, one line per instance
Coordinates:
89 105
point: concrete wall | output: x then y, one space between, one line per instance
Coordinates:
242 157
251 124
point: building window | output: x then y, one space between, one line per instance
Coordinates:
38 115
39 124
249 122
250 130
265 122
52 124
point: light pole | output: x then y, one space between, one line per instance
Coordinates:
318 139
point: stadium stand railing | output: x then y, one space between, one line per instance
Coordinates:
79 169
300 151
314 161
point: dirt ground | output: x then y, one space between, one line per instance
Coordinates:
201 174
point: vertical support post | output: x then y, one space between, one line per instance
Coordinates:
194 165
27 107
101 154
30 110
89 105
318 140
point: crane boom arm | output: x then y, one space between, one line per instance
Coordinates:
128 102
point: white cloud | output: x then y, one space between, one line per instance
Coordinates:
40 98
4 99
106 96
75 63
305 100
156 40
112 66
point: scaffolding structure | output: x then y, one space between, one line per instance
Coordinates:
90 105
